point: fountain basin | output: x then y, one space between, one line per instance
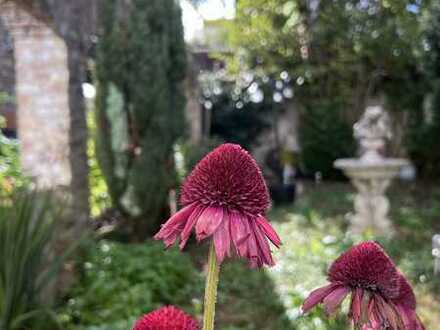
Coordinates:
380 168
371 176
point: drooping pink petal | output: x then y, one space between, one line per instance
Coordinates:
406 305
381 313
334 299
170 239
252 252
208 222
356 305
406 295
222 239
420 325
268 230
409 318
317 296
373 318
390 315
190 224
171 229
240 232
262 243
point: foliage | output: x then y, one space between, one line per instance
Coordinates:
11 174
191 154
248 300
4 98
343 52
99 196
336 47
425 129
241 126
140 69
325 136
236 117
27 226
120 282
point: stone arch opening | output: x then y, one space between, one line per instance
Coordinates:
7 81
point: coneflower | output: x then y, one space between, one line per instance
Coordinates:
381 297
226 199
166 318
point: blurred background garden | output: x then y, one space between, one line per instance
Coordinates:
107 105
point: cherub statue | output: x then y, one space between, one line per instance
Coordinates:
372 131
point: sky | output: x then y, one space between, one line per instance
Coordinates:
208 10
215 9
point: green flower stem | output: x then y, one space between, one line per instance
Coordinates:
211 289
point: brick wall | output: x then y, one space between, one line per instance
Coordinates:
41 85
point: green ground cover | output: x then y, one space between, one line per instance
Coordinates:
120 281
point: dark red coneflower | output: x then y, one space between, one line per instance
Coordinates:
166 318
381 297
225 197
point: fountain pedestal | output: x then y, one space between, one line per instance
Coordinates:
372 173
371 180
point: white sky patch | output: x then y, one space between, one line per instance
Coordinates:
217 9
193 18
192 21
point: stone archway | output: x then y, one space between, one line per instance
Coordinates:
7 80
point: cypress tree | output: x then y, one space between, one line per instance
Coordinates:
140 69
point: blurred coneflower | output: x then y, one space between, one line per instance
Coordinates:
225 197
381 297
166 318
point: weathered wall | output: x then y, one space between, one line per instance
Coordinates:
42 79
193 111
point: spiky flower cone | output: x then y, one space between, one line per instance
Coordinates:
166 318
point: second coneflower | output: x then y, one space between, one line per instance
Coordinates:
226 199
381 297
166 318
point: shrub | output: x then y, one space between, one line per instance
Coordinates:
26 270
99 196
192 154
325 136
11 174
119 282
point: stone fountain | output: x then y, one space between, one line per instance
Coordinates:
372 172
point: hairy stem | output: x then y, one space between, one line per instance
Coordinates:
211 289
